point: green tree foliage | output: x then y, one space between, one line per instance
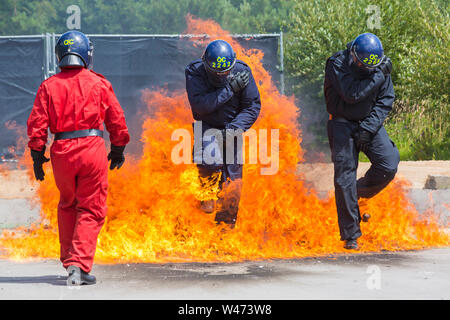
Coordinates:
21 17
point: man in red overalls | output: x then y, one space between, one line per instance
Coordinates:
74 104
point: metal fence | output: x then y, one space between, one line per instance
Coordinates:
130 62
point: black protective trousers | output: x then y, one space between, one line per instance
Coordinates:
384 158
231 176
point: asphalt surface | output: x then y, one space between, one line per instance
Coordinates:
389 275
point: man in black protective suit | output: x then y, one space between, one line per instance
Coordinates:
225 101
359 95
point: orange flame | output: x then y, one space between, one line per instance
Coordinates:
153 214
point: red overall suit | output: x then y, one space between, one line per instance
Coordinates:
77 99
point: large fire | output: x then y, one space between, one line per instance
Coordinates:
153 213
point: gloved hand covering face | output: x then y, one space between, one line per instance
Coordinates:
239 81
386 66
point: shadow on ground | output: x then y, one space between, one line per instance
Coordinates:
55 280
247 270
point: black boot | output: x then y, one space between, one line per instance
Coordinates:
227 218
78 277
351 244
208 206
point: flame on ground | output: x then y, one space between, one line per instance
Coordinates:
153 214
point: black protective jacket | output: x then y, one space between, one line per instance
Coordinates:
367 98
219 107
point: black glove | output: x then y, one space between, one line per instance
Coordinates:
116 156
386 65
239 81
38 160
363 138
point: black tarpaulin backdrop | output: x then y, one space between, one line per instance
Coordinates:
131 64
21 72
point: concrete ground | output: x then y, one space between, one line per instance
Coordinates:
387 275
400 275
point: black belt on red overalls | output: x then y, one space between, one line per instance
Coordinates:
79 134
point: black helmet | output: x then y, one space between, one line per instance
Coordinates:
367 50
74 49
219 59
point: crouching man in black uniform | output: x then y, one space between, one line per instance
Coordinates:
224 97
359 95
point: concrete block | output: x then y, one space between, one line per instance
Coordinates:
17 212
437 182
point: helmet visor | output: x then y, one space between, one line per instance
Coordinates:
218 79
219 72
368 61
